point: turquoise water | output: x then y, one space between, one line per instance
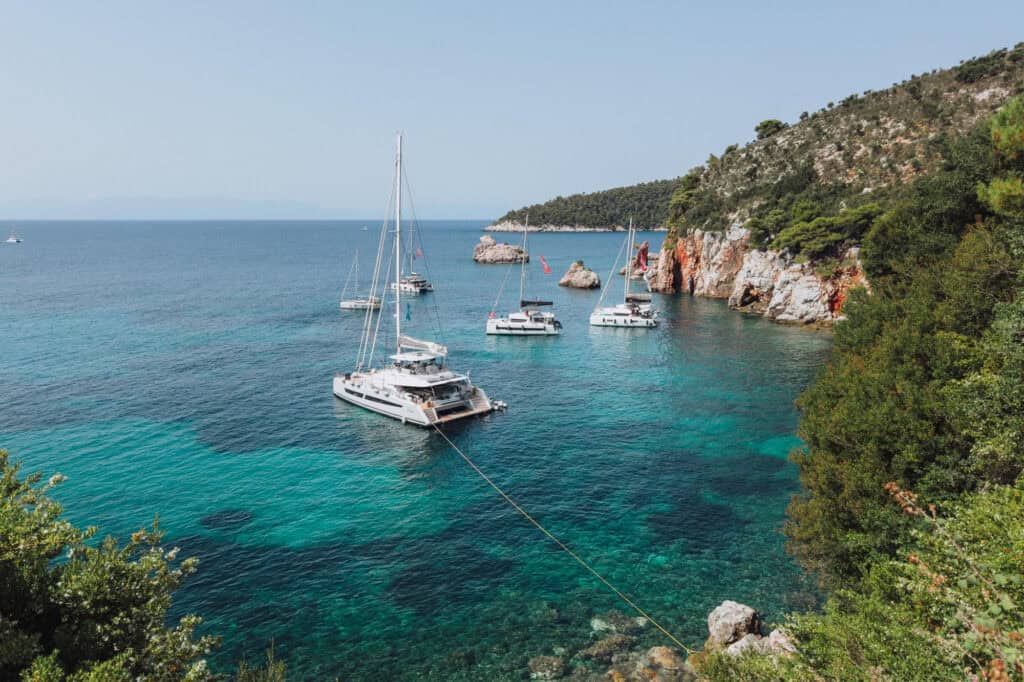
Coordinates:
185 368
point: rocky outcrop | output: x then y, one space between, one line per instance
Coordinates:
579 276
769 283
489 251
730 622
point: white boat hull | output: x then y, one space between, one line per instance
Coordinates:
598 319
359 305
499 327
384 402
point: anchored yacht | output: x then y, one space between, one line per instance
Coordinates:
359 302
415 385
413 284
13 239
635 310
529 321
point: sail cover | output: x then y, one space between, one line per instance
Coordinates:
523 303
409 342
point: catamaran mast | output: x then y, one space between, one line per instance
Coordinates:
629 260
522 269
398 247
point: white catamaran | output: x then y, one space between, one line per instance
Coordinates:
359 302
635 309
416 385
528 321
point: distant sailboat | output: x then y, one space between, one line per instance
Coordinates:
635 309
528 321
13 239
415 385
359 302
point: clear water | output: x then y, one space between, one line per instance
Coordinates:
185 368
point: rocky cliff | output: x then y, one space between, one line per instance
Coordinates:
773 284
489 251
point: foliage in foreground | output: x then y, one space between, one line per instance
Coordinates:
75 610
951 606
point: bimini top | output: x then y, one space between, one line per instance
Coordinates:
416 356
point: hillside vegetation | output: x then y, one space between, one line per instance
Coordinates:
912 508
847 154
647 203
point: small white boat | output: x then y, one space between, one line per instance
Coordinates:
528 321
413 284
635 310
13 239
415 385
359 302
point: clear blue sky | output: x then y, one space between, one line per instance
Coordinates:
191 109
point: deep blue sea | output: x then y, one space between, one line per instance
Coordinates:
184 369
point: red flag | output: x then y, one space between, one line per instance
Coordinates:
547 270
419 253
491 314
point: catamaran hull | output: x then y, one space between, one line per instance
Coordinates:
624 321
512 329
408 412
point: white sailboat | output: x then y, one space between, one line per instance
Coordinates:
13 239
415 385
359 302
528 321
635 309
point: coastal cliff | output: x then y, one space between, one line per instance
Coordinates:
774 284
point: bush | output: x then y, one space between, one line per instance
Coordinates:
766 129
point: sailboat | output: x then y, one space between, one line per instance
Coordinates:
415 385
359 302
13 239
528 321
635 309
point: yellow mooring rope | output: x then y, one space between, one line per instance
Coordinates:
562 545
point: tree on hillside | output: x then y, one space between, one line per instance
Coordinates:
768 128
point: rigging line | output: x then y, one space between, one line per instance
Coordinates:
501 289
435 305
364 342
580 560
611 274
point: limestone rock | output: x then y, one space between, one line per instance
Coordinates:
753 643
772 284
779 643
665 657
490 251
731 622
658 664
546 668
580 276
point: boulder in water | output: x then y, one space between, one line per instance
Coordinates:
489 251
579 276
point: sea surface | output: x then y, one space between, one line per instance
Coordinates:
184 369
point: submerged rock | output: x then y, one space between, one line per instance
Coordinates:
489 251
579 276
227 519
605 649
546 668
618 623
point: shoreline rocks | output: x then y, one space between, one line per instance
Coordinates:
488 251
510 226
768 283
579 276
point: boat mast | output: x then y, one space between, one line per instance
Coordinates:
522 270
629 260
398 247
